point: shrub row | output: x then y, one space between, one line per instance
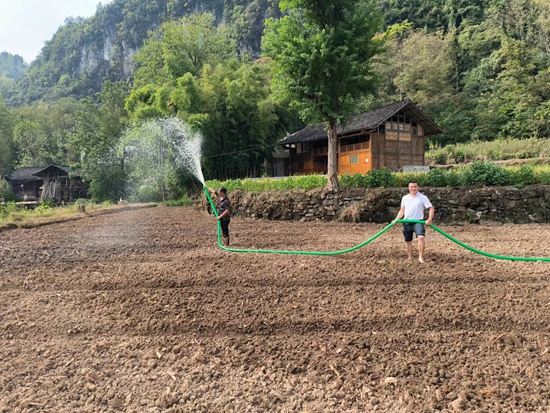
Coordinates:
478 173
492 151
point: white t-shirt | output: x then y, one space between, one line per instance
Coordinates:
415 205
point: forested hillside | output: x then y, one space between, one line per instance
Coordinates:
11 68
480 68
84 53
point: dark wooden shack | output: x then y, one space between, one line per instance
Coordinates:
25 184
392 137
55 182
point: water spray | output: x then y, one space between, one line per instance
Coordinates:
186 145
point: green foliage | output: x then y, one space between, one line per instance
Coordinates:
44 208
84 53
484 173
12 66
438 177
479 173
6 193
83 201
227 100
297 182
7 209
183 201
107 178
379 178
480 69
322 55
524 175
353 180
96 139
7 147
181 47
492 151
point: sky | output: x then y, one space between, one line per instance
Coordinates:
26 24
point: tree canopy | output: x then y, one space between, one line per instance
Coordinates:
321 54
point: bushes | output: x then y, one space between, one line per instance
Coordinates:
478 173
484 173
183 201
379 178
7 209
5 191
297 182
492 151
438 177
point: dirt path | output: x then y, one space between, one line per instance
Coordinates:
140 312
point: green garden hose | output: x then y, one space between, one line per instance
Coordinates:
368 241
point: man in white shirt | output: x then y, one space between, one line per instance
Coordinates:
412 207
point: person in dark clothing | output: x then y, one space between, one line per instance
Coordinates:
224 211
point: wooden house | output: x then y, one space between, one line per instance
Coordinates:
392 137
25 184
39 183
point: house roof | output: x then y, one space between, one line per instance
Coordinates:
25 174
51 167
34 173
367 121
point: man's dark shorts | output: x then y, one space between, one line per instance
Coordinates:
409 228
224 223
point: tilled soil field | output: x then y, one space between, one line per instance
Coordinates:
139 311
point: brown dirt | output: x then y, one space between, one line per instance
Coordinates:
141 312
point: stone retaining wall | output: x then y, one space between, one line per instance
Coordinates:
485 205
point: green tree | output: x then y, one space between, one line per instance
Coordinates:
33 144
43 131
101 125
13 66
180 47
7 150
322 60
228 100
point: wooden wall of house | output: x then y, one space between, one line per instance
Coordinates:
308 159
396 148
354 154
378 150
30 189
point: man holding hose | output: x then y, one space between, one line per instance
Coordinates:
224 209
412 207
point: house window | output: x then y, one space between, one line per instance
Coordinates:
354 159
355 143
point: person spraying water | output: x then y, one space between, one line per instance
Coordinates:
224 212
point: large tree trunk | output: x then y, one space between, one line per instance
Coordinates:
332 182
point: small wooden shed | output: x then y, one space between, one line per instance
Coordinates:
57 184
392 137
53 182
25 184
